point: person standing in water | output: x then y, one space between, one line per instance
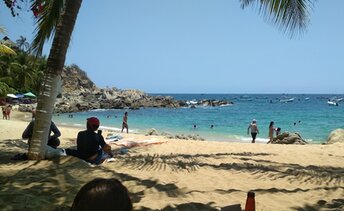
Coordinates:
254 130
125 122
271 132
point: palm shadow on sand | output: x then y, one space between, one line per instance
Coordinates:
56 182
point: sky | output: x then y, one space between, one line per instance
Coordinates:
200 46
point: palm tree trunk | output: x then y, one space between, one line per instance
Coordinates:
52 78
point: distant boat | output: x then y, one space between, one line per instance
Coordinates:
307 98
332 103
287 100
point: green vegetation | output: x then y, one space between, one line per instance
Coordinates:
20 72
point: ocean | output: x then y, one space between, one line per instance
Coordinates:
308 114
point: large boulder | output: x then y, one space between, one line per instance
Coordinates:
289 138
25 108
336 136
152 132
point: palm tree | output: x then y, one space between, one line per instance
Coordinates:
287 14
52 76
22 43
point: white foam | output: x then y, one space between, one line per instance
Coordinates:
109 128
247 139
100 109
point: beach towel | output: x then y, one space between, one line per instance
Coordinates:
136 143
113 138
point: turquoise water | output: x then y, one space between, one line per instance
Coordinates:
317 118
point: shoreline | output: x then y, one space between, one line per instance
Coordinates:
26 116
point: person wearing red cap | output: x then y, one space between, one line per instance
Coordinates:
91 145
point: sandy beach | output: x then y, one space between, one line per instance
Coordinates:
176 174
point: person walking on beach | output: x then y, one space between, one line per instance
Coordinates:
125 122
271 132
8 112
254 130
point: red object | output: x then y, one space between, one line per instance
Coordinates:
250 202
93 121
35 13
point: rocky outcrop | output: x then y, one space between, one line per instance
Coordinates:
79 93
25 107
289 138
154 132
336 136
206 102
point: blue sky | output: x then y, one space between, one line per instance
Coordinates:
200 46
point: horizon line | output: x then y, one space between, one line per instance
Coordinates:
201 93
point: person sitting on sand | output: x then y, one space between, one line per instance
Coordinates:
278 131
91 146
125 122
53 140
271 132
254 130
102 195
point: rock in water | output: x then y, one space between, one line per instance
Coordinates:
152 132
289 138
336 136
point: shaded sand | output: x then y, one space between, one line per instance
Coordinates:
177 174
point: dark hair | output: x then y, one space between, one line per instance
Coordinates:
91 127
126 112
271 123
278 129
102 195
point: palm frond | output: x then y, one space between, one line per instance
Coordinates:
46 24
4 89
289 15
2 30
6 50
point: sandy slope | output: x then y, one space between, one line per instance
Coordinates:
183 175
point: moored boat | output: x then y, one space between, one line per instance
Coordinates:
287 100
332 103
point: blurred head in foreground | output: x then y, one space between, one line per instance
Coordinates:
102 195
